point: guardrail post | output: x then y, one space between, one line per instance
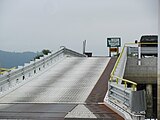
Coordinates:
133 87
111 78
117 80
125 84
139 54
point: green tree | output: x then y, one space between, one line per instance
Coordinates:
45 51
42 53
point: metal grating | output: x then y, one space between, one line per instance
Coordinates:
63 92
69 81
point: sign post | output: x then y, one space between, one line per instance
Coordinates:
113 43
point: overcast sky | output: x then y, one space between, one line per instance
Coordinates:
33 25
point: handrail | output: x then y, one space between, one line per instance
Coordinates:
142 43
120 91
147 43
125 80
134 85
116 64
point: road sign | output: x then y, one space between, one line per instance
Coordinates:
114 42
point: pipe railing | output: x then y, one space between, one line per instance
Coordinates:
112 75
121 92
119 78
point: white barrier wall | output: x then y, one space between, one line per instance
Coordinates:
22 73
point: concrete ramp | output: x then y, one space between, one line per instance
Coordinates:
69 81
56 93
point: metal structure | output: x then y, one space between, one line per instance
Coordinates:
67 77
121 92
58 86
64 89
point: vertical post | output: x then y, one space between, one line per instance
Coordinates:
84 46
158 82
134 87
117 80
125 84
117 51
109 51
149 111
139 54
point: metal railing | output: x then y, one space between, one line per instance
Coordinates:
119 77
122 92
145 50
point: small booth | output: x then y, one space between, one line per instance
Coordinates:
114 43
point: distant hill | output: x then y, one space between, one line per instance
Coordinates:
15 59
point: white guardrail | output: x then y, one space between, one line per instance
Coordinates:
22 73
121 92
